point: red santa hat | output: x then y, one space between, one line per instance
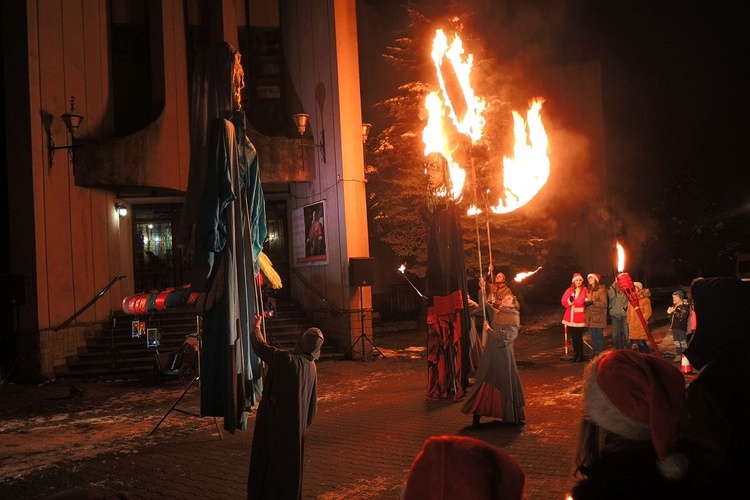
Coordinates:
464 467
640 397
575 276
597 277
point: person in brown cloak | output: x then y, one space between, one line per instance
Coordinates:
285 412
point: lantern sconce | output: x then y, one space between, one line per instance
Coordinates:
365 132
122 210
72 121
300 121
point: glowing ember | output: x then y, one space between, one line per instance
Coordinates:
522 276
528 170
620 258
402 268
469 120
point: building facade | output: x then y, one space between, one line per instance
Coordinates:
124 67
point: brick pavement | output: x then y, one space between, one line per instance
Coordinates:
372 420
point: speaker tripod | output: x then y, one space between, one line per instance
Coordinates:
363 336
4 380
197 377
115 355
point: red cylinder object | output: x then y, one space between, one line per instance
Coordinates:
161 298
140 305
126 305
625 281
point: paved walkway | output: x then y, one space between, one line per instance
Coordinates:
372 421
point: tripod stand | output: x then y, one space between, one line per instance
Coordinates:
114 353
196 378
363 336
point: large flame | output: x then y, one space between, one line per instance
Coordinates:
620 258
434 140
528 170
525 173
468 119
522 276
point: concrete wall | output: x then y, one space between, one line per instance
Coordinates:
66 236
320 49
67 239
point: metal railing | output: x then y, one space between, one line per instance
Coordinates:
317 293
90 303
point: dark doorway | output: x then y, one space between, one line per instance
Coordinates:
276 246
157 265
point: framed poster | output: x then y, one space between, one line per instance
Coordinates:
138 328
153 337
310 234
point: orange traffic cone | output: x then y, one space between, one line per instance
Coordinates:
685 367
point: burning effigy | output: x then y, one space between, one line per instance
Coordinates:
456 105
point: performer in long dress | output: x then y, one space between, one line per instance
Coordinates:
448 321
224 221
497 389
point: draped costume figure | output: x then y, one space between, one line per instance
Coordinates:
498 392
224 221
448 319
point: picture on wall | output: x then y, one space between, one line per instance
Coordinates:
310 234
153 337
138 328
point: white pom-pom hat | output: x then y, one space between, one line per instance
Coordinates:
640 397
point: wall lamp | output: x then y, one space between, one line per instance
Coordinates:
365 132
122 210
72 121
300 121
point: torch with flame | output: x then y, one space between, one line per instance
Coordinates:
401 270
522 276
627 287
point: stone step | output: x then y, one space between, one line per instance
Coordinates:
117 352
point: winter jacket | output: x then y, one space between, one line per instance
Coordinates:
596 310
574 312
680 316
618 302
635 327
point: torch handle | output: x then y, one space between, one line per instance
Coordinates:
626 285
651 341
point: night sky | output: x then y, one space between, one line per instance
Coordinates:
674 99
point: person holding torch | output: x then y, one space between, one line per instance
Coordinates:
636 328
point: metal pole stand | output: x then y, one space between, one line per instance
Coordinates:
363 336
195 379
115 355
566 357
